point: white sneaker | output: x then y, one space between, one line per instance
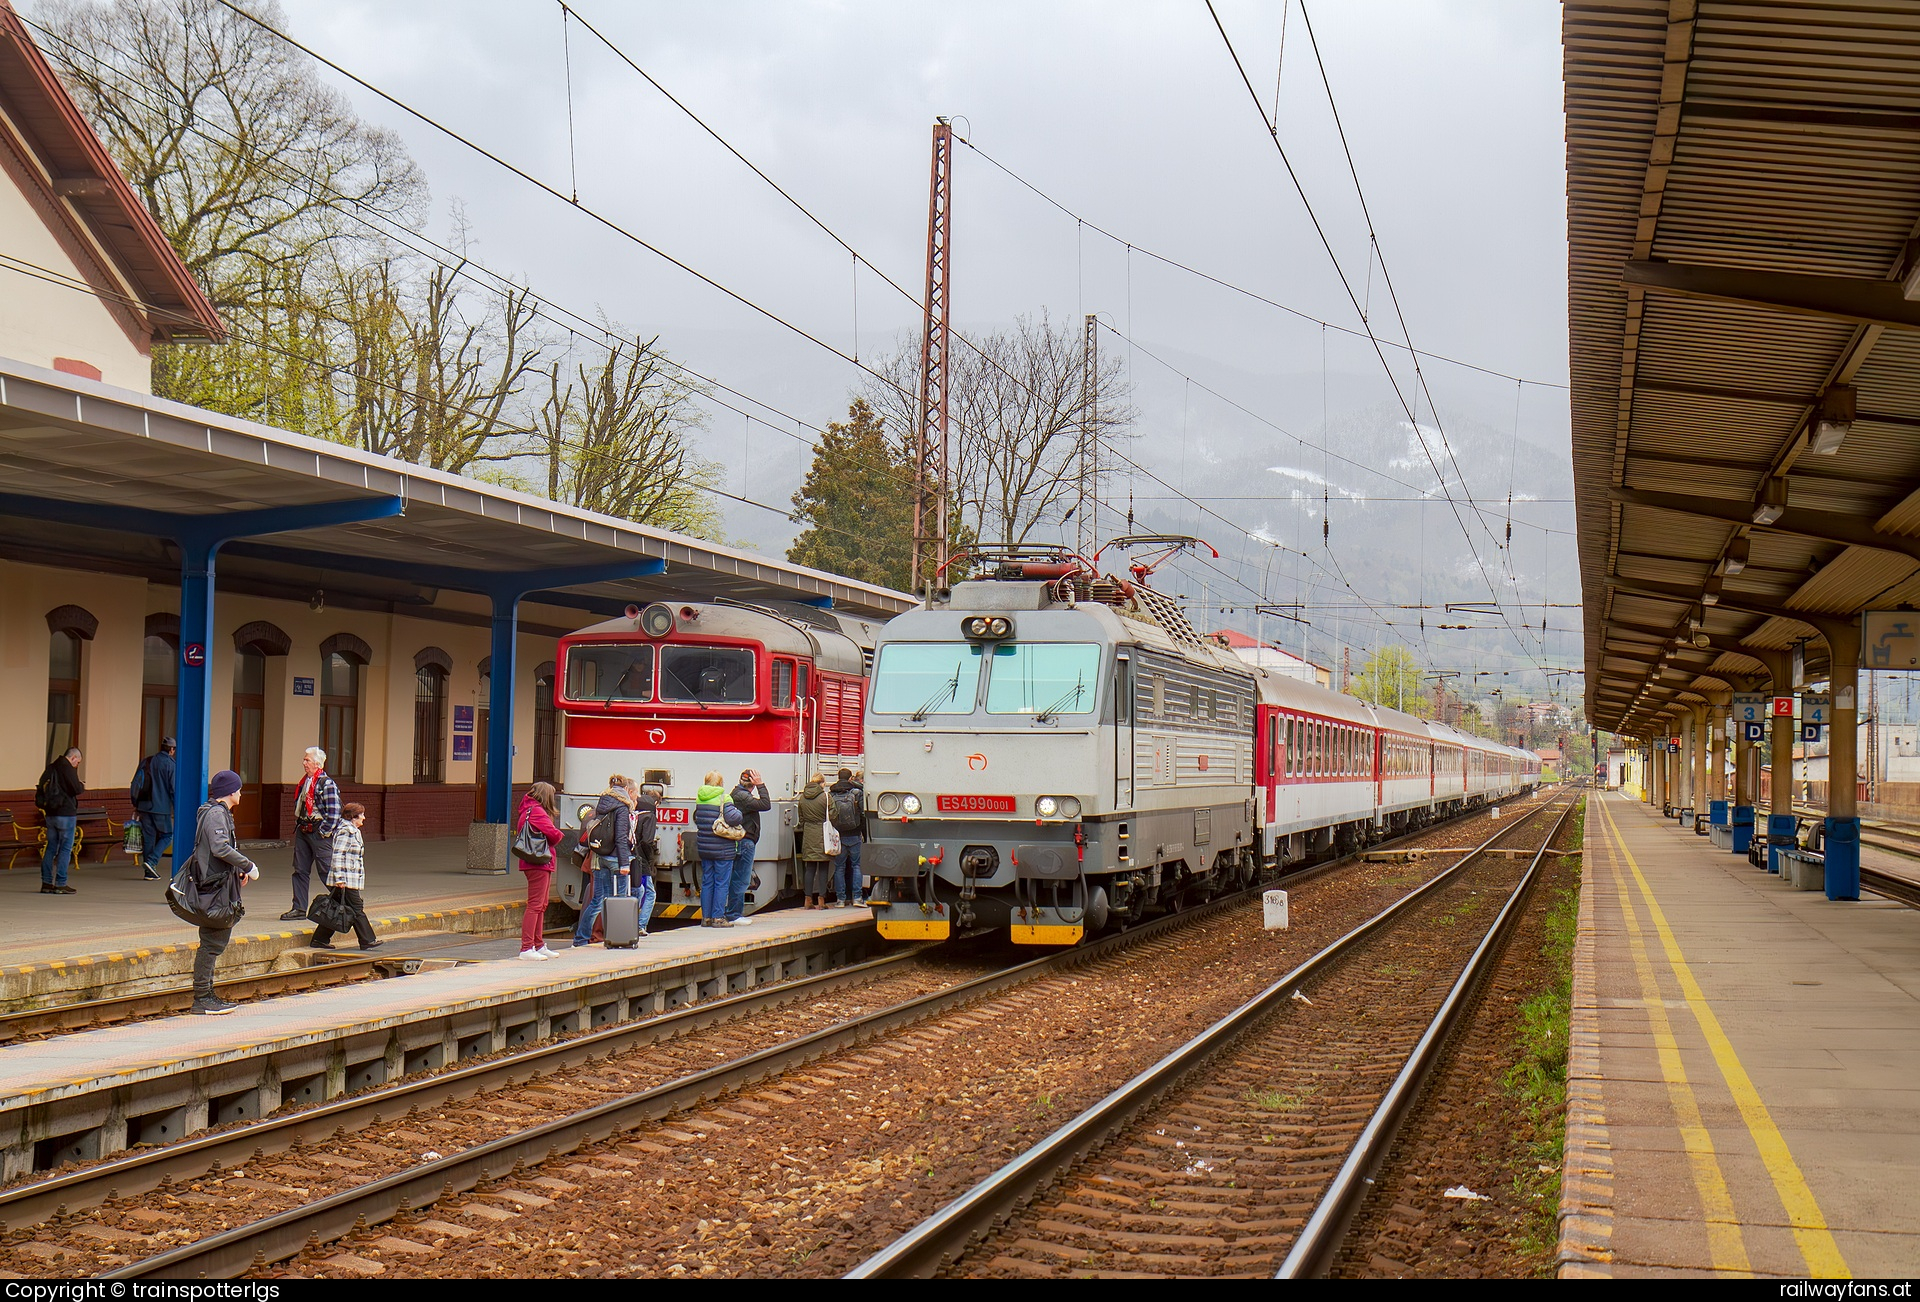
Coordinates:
543 951
534 955
741 921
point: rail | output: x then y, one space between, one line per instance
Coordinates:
921 1252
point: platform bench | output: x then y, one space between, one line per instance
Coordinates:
1804 869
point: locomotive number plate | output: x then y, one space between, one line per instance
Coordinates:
673 817
975 804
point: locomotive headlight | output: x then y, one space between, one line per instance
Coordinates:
1046 806
1069 807
909 804
984 628
888 805
998 627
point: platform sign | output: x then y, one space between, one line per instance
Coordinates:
1809 732
1750 707
1890 639
1783 707
463 747
1755 731
1815 706
463 721
193 655
1673 745
303 687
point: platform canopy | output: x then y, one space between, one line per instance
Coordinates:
97 477
1744 296
108 453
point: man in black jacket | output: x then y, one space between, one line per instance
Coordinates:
61 788
216 864
752 800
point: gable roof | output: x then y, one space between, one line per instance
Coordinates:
80 183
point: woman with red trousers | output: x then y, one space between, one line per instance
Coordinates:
538 807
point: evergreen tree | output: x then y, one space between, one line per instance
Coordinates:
857 502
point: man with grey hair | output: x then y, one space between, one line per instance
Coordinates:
316 813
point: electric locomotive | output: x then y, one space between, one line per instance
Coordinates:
1050 750
665 694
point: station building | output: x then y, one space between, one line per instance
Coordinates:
361 602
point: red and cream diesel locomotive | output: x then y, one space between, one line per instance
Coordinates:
667 693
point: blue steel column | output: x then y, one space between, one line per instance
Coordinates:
194 729
506 611
1842 842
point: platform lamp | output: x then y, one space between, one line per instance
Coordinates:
1773 500
1832 420
1739 551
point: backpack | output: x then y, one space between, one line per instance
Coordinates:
599 834
45 792
843 811
142 784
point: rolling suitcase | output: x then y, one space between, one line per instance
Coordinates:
620 916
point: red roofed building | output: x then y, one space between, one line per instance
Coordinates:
88 282
1266 656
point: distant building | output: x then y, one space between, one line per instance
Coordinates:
1264 655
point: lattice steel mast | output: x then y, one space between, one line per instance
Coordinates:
932 446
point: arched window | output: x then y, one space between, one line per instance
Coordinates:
159 681
431 668
546 731
342 657
68 627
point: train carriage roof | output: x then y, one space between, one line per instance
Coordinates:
1287 693
836 642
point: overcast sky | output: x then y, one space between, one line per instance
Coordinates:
1132 115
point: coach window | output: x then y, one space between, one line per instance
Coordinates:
783 684
1123 690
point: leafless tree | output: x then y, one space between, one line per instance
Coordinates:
1022 410
618 437
251 164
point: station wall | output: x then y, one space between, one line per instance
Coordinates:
112 691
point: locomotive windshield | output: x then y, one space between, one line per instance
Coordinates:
602 671
706 675
1044 678
922 678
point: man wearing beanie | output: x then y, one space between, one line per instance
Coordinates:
216 861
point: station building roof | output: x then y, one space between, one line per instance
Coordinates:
1744 227
87 451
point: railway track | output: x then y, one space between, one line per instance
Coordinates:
86 1014
1271 1152
242 1156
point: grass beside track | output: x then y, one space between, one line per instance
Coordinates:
1538 1076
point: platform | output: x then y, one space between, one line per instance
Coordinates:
117 936
94 1091
1742 1088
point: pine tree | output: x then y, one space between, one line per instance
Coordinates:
857 502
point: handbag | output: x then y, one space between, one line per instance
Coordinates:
530 845
831 836
216 909
136 840
331 912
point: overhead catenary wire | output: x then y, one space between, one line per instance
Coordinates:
1347 284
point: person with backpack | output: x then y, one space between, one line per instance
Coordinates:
152 793
57 796
716 836
538 809
846 810
607 838
810 840
217 870
752 800
646 846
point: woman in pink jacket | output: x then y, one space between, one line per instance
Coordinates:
538 807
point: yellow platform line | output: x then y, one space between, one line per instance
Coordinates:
1817 1245
1725 1243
